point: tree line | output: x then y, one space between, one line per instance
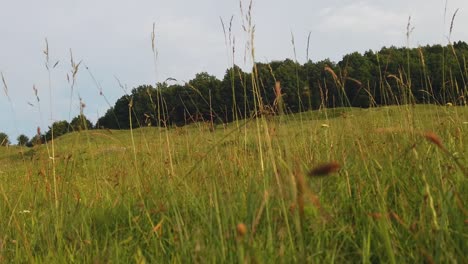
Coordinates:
58 128
432 74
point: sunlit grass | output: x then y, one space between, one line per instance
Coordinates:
396 197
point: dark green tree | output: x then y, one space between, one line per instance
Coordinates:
80 122
36 140
109 120
430 74
356 75
289 73
4 141
22 140
59 128
236 91
317 83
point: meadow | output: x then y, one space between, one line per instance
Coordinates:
383 184
342 185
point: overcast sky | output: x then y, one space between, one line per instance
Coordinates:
113 38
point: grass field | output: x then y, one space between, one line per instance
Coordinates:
393 189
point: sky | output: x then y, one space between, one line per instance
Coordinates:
112 38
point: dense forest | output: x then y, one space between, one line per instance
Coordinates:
425 75
431 74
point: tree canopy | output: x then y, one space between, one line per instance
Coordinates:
4 140
22 140
429 74
80 122
432 74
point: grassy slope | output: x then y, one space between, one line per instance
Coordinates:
178 195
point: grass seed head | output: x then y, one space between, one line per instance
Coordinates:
325 169
277 89
241 229
434 139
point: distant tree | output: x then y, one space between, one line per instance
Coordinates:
236 91
356 75
205 88
392 75
36 140
175 97
143 106
80 122
108 120
59 128
317 83
4 141
288 73
22 140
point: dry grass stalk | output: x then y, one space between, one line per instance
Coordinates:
451 23
435 139
409 29
277 91
304 193
332 72
157 229
278 103
375 215
5 86
300 185
397 218
421 55
259 213
354 80
396 78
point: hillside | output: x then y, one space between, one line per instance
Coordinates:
247 191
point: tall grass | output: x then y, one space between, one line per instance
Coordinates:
397 197
337 185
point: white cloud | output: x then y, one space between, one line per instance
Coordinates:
360 17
